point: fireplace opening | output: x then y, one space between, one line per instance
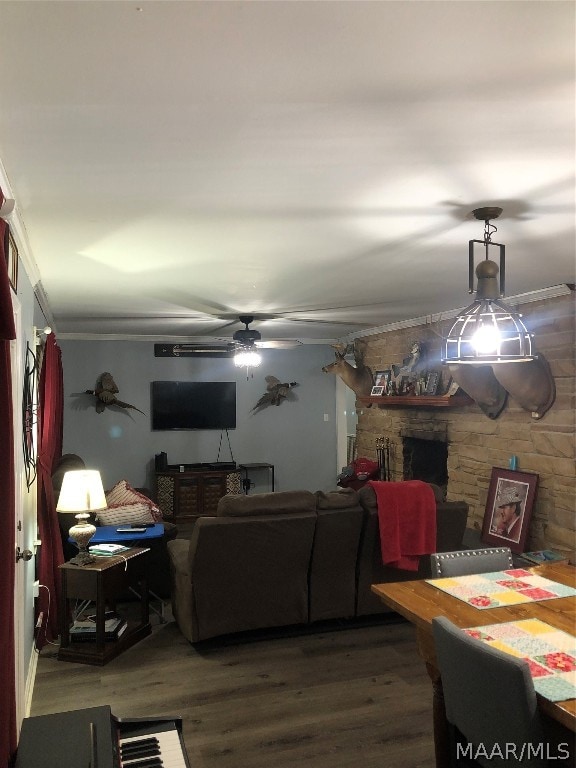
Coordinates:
425 460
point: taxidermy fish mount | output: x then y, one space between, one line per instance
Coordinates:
105 393
276 392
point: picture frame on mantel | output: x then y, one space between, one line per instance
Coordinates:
382 379
432 383
511 496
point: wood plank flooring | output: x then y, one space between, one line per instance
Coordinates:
335 698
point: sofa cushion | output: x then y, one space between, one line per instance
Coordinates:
244 573
125 514
240 505
123 493
343 499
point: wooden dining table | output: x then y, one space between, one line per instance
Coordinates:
420 602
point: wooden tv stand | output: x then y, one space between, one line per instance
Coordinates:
194 492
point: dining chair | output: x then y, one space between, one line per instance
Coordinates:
491 704
467 561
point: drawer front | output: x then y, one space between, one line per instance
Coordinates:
214 489
188 497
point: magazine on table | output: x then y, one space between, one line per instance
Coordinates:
85 628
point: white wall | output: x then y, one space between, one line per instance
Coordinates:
298 437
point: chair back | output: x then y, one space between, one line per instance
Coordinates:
467 561
489 697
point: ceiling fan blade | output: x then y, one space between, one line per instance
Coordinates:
278 344
318 322
226 325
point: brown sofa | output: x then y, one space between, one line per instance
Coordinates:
287 558
451 518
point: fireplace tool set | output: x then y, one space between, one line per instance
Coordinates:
383 457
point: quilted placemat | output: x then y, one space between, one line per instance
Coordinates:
550 653
500 588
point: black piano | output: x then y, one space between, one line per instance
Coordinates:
95 738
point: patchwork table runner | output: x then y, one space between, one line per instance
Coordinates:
550 653
500 588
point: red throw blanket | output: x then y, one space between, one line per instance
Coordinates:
407 521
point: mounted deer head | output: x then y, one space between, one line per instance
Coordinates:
358 378
530 384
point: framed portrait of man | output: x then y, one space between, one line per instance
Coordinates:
509 506
382 379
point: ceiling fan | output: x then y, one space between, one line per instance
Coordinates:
245 339
248 337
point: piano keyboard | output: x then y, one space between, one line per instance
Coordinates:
162 749
95 737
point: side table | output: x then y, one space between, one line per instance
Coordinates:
101 582
109 534
246 482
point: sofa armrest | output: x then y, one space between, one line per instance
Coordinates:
181 587
178 551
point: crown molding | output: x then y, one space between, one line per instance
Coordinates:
165 339
522 298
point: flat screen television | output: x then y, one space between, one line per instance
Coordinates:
193 405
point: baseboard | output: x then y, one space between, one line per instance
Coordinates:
31 677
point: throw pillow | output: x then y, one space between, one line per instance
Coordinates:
125 514
123 493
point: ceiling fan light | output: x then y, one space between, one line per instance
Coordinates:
247 358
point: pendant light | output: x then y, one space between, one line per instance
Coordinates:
488 331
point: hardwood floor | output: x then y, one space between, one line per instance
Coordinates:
344 698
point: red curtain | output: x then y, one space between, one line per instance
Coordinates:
8 738
50 416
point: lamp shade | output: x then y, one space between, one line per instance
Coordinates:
488 332
82 491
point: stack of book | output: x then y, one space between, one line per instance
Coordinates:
107 550
545 556
85 629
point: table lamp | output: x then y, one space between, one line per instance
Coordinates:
81 493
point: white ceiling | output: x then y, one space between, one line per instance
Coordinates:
176 163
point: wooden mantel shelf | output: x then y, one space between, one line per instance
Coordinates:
417 401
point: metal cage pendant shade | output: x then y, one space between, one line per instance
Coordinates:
488 331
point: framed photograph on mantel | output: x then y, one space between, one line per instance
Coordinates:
432 383
382 379
509 506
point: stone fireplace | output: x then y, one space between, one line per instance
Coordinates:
425 456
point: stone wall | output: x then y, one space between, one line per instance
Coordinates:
477 443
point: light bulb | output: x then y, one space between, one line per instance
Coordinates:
247 359
486 339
